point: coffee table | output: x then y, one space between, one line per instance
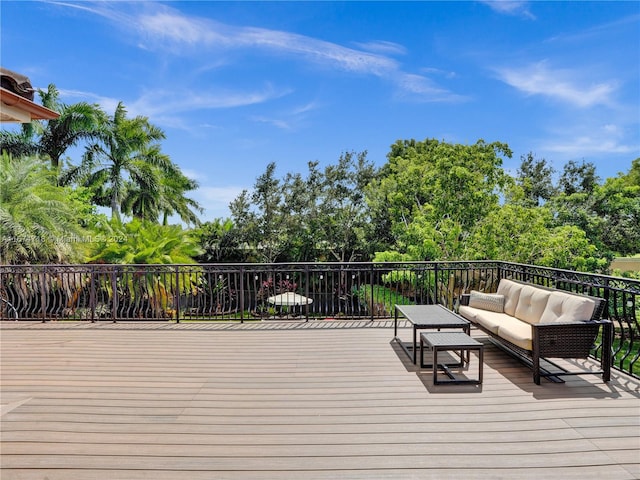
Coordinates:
448 341
423 317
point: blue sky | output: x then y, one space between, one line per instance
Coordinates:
237 85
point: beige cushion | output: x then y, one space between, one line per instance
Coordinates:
511 291
564 307
531 304
517 332
467 312
491 320
493 302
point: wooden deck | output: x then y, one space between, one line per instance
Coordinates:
289 400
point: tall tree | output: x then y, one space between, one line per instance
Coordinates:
632 178
174 201
78 121
161 193
535 178
322 216
302 198
52 138
126 154
343 212
609 213
578 178
260 216
446 188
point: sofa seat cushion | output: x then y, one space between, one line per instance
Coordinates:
468 312
517 332
564 307
531 304
488 320
511 292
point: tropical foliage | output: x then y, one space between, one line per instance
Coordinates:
144 242
38 219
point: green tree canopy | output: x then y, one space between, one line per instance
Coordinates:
516 233
445 188
322 216
535 178
608 213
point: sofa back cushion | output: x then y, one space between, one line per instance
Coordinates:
511 291
531 304
564 307
492 302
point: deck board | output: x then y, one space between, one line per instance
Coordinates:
285 400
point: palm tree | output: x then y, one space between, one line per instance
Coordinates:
122 159
142 200
79 121
173 199
19 144
51 139
162 193
37 221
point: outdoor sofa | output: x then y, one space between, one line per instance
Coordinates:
536 323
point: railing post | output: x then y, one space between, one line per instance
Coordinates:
43 296
241 295
114 294
435 283
92 294
306 291
607 297
176 296
373 305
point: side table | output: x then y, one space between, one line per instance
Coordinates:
451 341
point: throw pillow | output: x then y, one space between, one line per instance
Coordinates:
487 301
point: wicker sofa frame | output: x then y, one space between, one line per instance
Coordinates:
561 340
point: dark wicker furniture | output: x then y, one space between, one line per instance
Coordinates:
571 340
448 341
424 317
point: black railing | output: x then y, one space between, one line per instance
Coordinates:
247 292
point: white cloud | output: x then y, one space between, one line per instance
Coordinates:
159 102
289 120
425 88
276 122
561 84
167 30
194 175
507 7
383 47
164 106
586 141
106 103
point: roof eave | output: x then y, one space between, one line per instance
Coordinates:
17 109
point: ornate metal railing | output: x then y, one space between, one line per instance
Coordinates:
248 292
